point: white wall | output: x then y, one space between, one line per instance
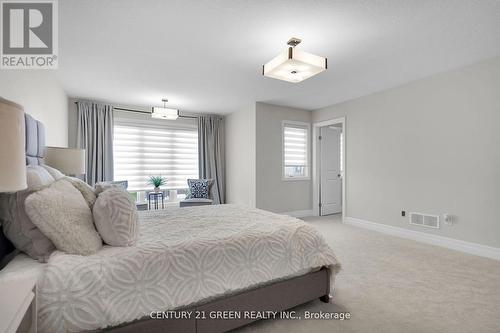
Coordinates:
429 146
41 95
240 157
273 193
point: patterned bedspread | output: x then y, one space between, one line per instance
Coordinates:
183 256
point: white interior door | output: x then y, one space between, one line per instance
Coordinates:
331 178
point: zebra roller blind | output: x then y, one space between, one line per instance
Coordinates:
152 148
295 150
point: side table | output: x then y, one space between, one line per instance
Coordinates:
154 198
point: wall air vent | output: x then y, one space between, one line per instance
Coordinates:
425 220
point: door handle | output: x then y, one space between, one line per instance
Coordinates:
338 175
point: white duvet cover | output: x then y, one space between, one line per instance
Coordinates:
183 256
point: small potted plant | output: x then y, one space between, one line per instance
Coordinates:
157 181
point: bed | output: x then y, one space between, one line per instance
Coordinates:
201 261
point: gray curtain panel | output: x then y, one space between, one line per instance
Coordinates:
212 155
95 135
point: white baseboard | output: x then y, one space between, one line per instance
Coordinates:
450 243
299 213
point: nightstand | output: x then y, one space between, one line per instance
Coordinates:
18 306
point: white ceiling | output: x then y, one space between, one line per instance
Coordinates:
206 56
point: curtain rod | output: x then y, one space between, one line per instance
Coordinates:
145 112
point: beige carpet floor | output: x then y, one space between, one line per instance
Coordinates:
390 284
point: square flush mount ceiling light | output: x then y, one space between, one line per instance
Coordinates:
293 65
164 112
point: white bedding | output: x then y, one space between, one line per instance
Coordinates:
183 256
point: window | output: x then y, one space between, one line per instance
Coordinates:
146 148
295 150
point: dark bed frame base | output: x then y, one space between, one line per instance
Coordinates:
278 296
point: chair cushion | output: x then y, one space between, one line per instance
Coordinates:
63 215
195 202
198 200
115 217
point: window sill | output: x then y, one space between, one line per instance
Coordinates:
294 178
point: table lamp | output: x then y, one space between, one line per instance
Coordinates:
70 161
12 147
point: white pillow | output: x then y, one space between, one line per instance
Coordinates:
85 189
61 213
37 177
103 186
115 217
56 174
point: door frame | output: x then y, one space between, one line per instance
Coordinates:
316 172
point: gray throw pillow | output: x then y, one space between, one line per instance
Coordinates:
38 177
19 229
63 215
115 217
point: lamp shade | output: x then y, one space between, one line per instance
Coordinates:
70 161
12 147
165 113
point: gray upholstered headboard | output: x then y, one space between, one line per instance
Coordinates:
35 140
35 147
